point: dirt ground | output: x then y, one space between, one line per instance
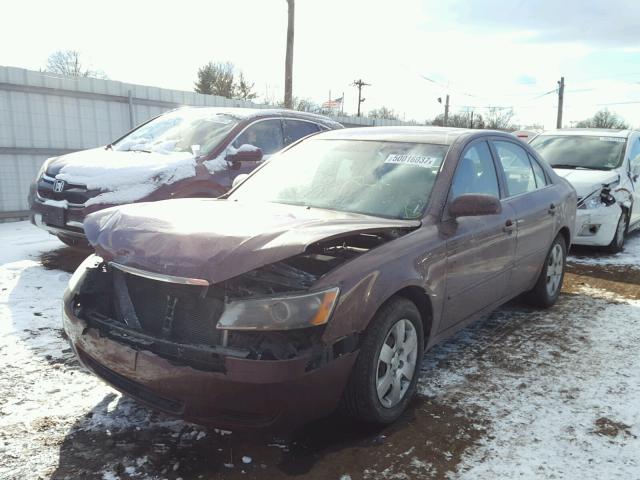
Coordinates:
499 375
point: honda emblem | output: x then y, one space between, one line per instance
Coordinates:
58 186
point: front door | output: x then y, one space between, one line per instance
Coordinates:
480 250
634 173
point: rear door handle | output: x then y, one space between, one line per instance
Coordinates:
508 227
552 209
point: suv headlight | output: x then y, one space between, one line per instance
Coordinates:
43 168
286 312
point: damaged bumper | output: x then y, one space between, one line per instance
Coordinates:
229 380
597 226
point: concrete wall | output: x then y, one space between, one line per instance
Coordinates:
43 115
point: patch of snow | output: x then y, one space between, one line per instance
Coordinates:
543 388
56 203
246 459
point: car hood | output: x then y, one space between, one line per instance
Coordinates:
587 181
217 239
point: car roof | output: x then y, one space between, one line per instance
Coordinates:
409 134
252 113
593 132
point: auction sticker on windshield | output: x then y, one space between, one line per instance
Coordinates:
415 160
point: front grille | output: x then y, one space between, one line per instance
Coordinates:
72 193
175 312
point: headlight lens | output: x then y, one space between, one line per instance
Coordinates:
592 201
280 313
43 168
92 261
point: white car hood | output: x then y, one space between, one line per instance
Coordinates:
587 181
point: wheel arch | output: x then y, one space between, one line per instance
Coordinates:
421 300
566 234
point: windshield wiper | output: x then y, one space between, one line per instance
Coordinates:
578 167
138 150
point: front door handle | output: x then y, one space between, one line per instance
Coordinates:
552 209
508 227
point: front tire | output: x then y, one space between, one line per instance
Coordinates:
547 289
385 375
617 244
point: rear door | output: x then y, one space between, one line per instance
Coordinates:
535 201
295 129
480 250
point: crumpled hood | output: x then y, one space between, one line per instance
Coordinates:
216 239
587 181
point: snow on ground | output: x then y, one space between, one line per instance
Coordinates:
524 393
630 256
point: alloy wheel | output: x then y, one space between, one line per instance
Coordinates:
555 267
396 363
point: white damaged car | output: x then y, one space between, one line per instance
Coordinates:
603 166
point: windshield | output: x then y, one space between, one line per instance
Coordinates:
384 179
580 151
190 130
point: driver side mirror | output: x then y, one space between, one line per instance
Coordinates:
475 205
635 171
246 153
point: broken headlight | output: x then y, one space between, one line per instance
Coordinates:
286 312
599 198
92 261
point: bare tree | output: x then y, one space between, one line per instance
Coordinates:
244 89
603 119
460 120
70 63
288 64
383 112
499 118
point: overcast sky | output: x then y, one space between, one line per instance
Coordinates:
482 52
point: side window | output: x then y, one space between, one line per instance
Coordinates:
634 155
538 172
296 129
517 168
265 134
475 173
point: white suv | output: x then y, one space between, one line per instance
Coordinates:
604 167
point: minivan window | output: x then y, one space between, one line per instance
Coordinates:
297 129
581 151
264 134
517 168
384 179
475 173
196 130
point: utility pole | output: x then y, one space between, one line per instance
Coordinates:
446 111
288 62
560 101
360 84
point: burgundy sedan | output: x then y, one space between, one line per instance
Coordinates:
187 152
324 277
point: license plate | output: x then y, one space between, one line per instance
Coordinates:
54 216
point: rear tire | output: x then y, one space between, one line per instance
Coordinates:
547 289
378 390
617 244
74 242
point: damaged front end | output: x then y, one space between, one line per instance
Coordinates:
271 313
